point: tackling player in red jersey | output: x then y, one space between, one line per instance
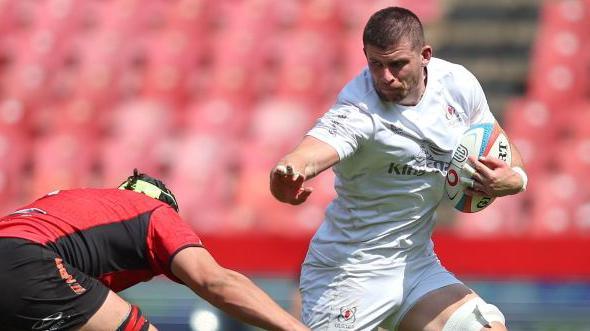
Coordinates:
65 255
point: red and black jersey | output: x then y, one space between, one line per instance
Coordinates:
120 237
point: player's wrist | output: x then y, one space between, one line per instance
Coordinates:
523 176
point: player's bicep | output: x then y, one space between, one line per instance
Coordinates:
345 128
168 234
196 268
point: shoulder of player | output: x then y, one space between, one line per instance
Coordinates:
358 94
452 76
444 70
358 90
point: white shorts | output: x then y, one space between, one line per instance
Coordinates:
337 298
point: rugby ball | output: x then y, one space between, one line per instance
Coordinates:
479 140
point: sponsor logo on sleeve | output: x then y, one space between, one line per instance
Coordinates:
69 279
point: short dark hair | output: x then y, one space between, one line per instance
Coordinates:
391 25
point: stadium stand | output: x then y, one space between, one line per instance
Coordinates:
94 88
556 75
209 93
91 89
546 114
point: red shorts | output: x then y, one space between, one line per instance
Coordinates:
43 292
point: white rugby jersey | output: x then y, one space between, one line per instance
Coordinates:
393 163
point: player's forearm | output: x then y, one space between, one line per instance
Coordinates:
311 157
518 166
307 167
516 157
230 291
239 297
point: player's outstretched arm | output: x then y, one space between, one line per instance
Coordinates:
310 157
230 291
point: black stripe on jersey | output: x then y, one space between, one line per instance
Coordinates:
108 247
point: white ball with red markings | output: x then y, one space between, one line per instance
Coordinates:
479 140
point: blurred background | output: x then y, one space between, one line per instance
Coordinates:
209 94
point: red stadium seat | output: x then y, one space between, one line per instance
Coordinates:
216 116
581 218
356 13
17 16
283 15
241 44
531 126
62 161
573 157
238 72
560 57
321 16
134 16
276 127
119 158
194 17
24 73
555 199
169 52
566 13
261 212
305 69
579 119
94 72
15 153
138 134
528 117
506 217
534 154
202 173
279 124
77 116
541 133
14 116
354 59
559 80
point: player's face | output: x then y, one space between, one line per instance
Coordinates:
398 72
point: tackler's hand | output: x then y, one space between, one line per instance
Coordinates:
286 185
493 177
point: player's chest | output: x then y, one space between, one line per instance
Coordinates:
423 137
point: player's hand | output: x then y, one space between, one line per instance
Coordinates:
493 177
287 185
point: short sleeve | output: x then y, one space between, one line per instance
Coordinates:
344 127
167 235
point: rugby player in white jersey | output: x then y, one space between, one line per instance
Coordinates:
389 138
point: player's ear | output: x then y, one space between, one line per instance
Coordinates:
425 54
